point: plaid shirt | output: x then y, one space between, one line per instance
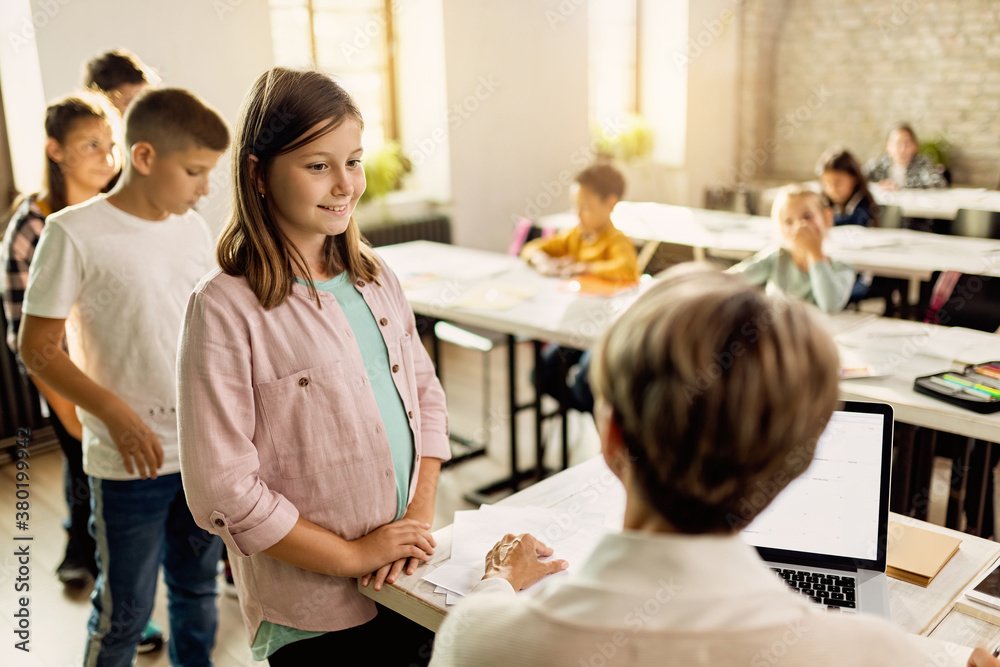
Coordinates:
18 248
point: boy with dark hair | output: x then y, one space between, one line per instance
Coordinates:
120 268
594 247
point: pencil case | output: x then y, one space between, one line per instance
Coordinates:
975 388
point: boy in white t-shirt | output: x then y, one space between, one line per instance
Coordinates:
119 269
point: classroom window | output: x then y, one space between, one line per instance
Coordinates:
350 39
613 60
634 54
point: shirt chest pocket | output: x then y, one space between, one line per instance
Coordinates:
313 421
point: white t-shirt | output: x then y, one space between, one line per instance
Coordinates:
123 284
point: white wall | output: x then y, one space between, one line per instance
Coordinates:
713 101
215 49
517 100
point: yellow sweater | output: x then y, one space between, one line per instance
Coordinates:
610 255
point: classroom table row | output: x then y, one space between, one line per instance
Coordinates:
503 294
892 253
590 487
935 203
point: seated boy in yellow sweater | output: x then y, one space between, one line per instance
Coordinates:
594 247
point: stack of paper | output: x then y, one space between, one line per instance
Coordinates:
917 555
573 536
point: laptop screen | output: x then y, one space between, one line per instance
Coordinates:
837 507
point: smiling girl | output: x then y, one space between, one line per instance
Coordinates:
312 426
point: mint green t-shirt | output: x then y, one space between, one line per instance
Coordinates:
272 636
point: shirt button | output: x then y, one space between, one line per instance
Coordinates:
410 414
383 321
386 473
303 382
220 523
360 283
395 368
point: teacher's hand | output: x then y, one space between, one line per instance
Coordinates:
516 558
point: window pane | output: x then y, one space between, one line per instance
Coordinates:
612 58
348 5
368 92
290 34
349 41
350 44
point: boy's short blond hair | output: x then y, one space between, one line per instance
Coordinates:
603 180
174 119
721 392
795 191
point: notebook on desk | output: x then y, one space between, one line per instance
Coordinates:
826 533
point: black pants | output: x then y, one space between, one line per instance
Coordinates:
556 361
80 549
388 640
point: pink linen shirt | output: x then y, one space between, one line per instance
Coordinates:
277 418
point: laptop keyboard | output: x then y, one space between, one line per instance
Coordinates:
837 593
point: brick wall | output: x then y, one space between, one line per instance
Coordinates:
818 73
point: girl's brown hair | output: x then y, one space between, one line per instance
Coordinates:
276 118
841 160
61 118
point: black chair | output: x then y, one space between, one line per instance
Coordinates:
977 224
974 303
890 216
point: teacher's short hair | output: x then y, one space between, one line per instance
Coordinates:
720 391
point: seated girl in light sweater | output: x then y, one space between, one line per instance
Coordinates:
798 266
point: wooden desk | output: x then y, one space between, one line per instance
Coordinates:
453 283
502 293
911 349
914 609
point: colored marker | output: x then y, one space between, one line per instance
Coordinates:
951 387
987 372
989 392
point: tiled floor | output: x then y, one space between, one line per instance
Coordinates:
58 618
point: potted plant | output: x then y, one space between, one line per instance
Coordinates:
385 170
937 151
633 141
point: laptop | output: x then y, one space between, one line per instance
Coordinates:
825 533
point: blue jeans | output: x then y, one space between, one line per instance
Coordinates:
138 525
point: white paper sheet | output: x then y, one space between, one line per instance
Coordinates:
495 295
572 535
